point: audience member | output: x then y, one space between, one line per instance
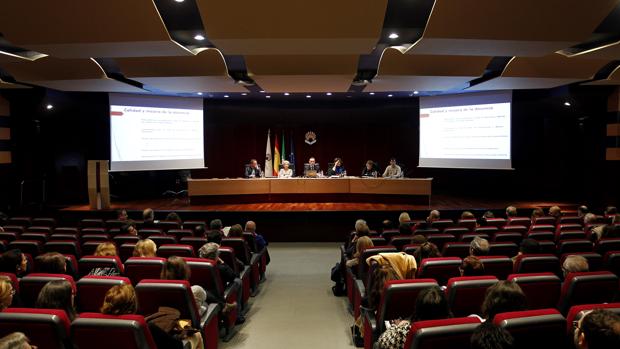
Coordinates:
261 243
555 211
387 225
174 217
611 211
214 236
57 294
211 251
426 250
129 228
611 231
122 215
360 246
175 268
52 263
537 213
511 211
120 300
490 336
503 297
488 214
361 229
574 264
200 231
105 249
418 239
145 248
236 231
431 304
527 246
6 293
582 211
200 296
148 215
589 219
599 329
216 224
434 215
403 218
14 261
467 215
15 340
479 247
471 266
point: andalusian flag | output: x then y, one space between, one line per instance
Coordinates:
276 158
283 148
268 160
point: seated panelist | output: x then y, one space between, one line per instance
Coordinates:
337 168
312 168
285 171
370 170
393 170
252 170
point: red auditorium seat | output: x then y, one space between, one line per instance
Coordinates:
91 223
168 250
503 236
249 281
146 233
470 236
535 329
569 234
31 247
20 221
46 328
541 235
547 246
8 236
466 293
411 248
442 224
607 244
571 220
542 227
496 222
400 241
521 229
31 284
177 294
440 269
63 247
99 331
92 237
91 291
125 238
162 239
19 229
87 263
67 230
441 334
486 230
455 249
469 224
498 266
574 245
114 223
93 230
612 262
378 241
525 221
126 251
595 260
503 249
426 231
241 248
139 268
586 288
88 248
577 312
40 237
546 220
71 263
191 225
167 225
542 290
569 226
196 242
389 233
397 302
536 263
39 229
63 237
440 239
457 231
180 233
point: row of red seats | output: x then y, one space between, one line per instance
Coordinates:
26 222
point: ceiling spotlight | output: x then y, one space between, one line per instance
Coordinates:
567 104
286 93
199 93
415 92
267 96
244 94
49 107
179 0
261 91
308 96
372 93
329 93
390 95
226 96
393 36
199 37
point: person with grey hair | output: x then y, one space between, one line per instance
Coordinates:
361 229
479 247
15 340
285 171
211 250
511 211
575 264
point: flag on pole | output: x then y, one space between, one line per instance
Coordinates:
283 148
291 157
268 159
276 158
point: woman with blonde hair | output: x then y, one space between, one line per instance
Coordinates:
105 249
361 245
145 248
6 293
404 217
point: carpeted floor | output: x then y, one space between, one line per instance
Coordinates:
295 307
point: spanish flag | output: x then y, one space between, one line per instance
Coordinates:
276 158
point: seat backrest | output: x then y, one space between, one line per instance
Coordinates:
362 270
525 221
489 230
88 263
93 231
457 231
389 233
125 238
39 229
470 236
148 232
8 236
442 224
32 247
569 226
571 220
400 241
126 251
574 245
227 254
469 224
541 235
179 233
99 331
595 260
569 234
167 225
440 239
175 294
242 250
139 268
63 247
503 249
92 222
536 263
577 312
31 284
542 328
91 291
378 241
439 268
205 273
399 298
498 266
542 227
441 334
455 249
46 328
521 229
114 223
195 242
191 225
503 236
588 288
612 262
547 246
495 222
466 293
180 250
542 290
548 220
66 230
607 244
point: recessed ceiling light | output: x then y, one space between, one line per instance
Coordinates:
390 95
393 36
286 93
567 104
329 93
261 91
199 93
267 96
308 96
372 93
415 92
179 0
199 37
244 94
226 96
49 107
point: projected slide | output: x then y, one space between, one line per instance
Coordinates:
155 133
466 131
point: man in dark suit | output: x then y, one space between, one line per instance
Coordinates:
253 170
312 168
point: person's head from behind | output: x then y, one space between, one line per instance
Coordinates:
387 224
490 336
431 304
6 293
380 275
589 218
13 261
503 297
216 224
405 229
471 266
145 248
537 213
175 268
148 215
511 211
611 231
51 263
362 244
611 211
529 246
105 249
467 215
57 294
555 211
15 340
129 228
582 210
122 215
575 264
200 230
360 224
479 247
250 226
173 217
404 217
236 231
599 329
488 214
433 216
418 239
120 300
210 250
426 250
214 236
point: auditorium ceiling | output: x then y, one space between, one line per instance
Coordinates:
284 48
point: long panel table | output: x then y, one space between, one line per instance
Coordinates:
344 189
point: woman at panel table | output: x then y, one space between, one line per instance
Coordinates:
370 170
285 171
337 169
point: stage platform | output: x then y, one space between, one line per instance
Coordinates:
319 221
